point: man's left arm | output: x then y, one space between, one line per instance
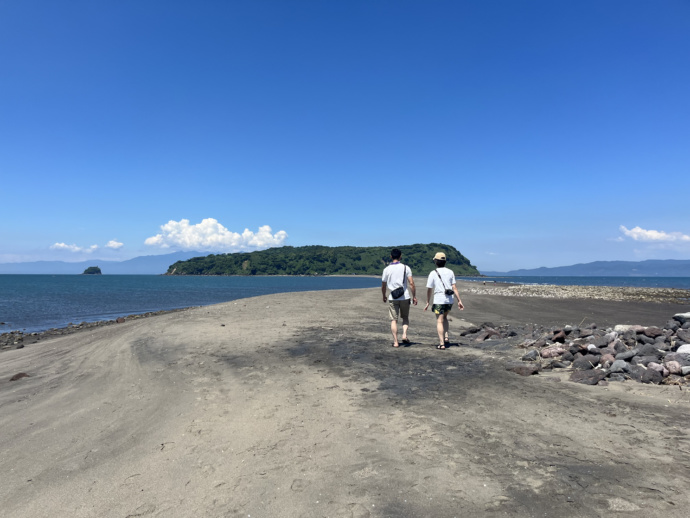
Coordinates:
413 290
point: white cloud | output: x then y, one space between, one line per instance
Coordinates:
210 235
114 244
73 248
655 236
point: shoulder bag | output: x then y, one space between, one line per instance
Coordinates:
448 290
399 292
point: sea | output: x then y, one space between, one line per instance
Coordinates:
34 303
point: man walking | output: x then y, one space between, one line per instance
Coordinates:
441 284
398 278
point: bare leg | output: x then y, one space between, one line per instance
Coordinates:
440 328
394 332
445 326
405 325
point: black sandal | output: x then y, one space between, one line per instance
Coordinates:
441 347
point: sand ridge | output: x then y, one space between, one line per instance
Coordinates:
296 405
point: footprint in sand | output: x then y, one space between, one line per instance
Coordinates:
299 485
353 511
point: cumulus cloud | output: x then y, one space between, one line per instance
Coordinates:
115 245
210 235
655 236
74 248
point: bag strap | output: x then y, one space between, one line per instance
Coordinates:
404 276
439 276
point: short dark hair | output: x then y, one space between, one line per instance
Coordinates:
439 263
396 254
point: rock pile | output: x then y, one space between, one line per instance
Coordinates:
645 354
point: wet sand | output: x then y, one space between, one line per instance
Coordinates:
295 405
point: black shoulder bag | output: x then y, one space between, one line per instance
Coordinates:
399 292
448 290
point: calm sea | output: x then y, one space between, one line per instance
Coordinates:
39 302
682 283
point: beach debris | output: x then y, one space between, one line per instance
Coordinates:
19 376
646 354
120 320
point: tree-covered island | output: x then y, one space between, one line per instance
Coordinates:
92 270
322 260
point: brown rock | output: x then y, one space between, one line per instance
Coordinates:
591 377
523 369
552 352
19 376
653 332
674 367
559 337
607 358
120 320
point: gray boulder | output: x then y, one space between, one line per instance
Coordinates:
626 355
684 349
649 350
644 360
619 366
531 356
672 325
617 377
682 317
684 335
652 376
581 364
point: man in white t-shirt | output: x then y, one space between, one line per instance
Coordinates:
441 284
397 275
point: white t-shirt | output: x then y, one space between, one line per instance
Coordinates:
434 282
393 277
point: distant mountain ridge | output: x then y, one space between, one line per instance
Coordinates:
143 265
649 268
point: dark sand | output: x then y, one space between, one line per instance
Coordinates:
295 405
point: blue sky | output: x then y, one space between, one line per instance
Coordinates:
526 134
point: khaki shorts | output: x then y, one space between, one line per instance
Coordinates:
399 307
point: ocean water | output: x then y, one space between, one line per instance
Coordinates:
40 302
682 283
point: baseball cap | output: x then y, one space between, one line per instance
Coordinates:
440 256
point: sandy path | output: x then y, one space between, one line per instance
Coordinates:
219 411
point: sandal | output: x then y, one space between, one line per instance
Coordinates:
396 346
406 341
441 347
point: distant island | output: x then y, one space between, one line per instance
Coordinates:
92 270
650 268
323 260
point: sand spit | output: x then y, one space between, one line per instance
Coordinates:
295 405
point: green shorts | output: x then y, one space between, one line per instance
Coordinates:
440 309
399 308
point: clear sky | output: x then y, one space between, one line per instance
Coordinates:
525 133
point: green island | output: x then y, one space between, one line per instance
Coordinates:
322 260
92 270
